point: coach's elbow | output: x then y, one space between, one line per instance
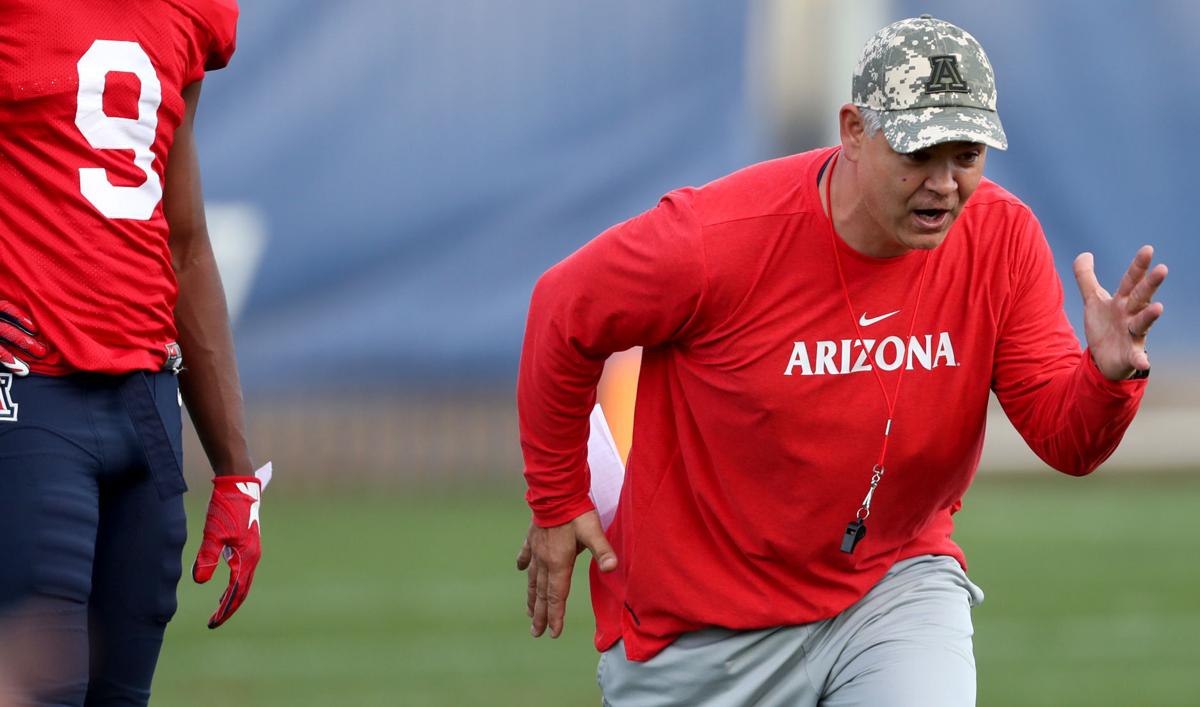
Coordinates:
1076 464
1077 471
551 297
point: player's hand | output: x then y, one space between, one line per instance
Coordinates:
231 530
548 555
18 335
1116 325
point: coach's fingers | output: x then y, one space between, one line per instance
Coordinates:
1141 360
590 533
1143 292
525 563
524 556
1141 322
1136 271
540 600
531 588
556 597
1085 276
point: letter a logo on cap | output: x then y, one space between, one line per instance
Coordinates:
944 76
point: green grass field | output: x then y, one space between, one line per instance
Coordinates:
367 599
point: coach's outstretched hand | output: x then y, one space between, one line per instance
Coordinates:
1116 325
231 530
18 334
549 556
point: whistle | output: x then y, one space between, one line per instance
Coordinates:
855 531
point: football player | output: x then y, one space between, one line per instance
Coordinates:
108 280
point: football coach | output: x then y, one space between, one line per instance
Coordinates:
821 333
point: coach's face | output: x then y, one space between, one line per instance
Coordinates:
914 198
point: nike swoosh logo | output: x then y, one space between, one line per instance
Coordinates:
864 320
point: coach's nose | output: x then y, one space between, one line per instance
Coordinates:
940 178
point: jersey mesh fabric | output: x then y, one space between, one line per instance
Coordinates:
758 415
100 289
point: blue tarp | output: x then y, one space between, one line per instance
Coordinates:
421 163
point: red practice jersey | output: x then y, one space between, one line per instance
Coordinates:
90 97
759 416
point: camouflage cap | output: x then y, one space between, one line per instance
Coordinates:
931 82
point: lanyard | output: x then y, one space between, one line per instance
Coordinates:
857 528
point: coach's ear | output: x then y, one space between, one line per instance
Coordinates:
853 131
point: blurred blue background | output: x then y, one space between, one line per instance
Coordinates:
421 163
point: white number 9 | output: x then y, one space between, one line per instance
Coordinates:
107 133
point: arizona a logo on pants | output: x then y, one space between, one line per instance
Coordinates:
8 409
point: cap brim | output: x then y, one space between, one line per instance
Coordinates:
918 128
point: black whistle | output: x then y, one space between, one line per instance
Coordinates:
855 530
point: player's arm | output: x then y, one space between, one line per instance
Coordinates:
639 283
209 381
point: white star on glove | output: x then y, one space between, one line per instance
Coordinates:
254 491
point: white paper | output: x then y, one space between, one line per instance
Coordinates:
608 471
264 475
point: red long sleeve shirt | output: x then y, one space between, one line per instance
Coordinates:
759 416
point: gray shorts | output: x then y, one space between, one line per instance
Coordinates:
907 643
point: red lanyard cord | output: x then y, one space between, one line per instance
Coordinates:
877 472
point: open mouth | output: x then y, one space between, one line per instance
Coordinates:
931 219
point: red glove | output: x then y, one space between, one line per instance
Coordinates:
231 530
17 333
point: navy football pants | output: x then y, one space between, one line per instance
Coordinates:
89 539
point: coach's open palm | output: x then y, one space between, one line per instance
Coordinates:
1116 325
549 556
